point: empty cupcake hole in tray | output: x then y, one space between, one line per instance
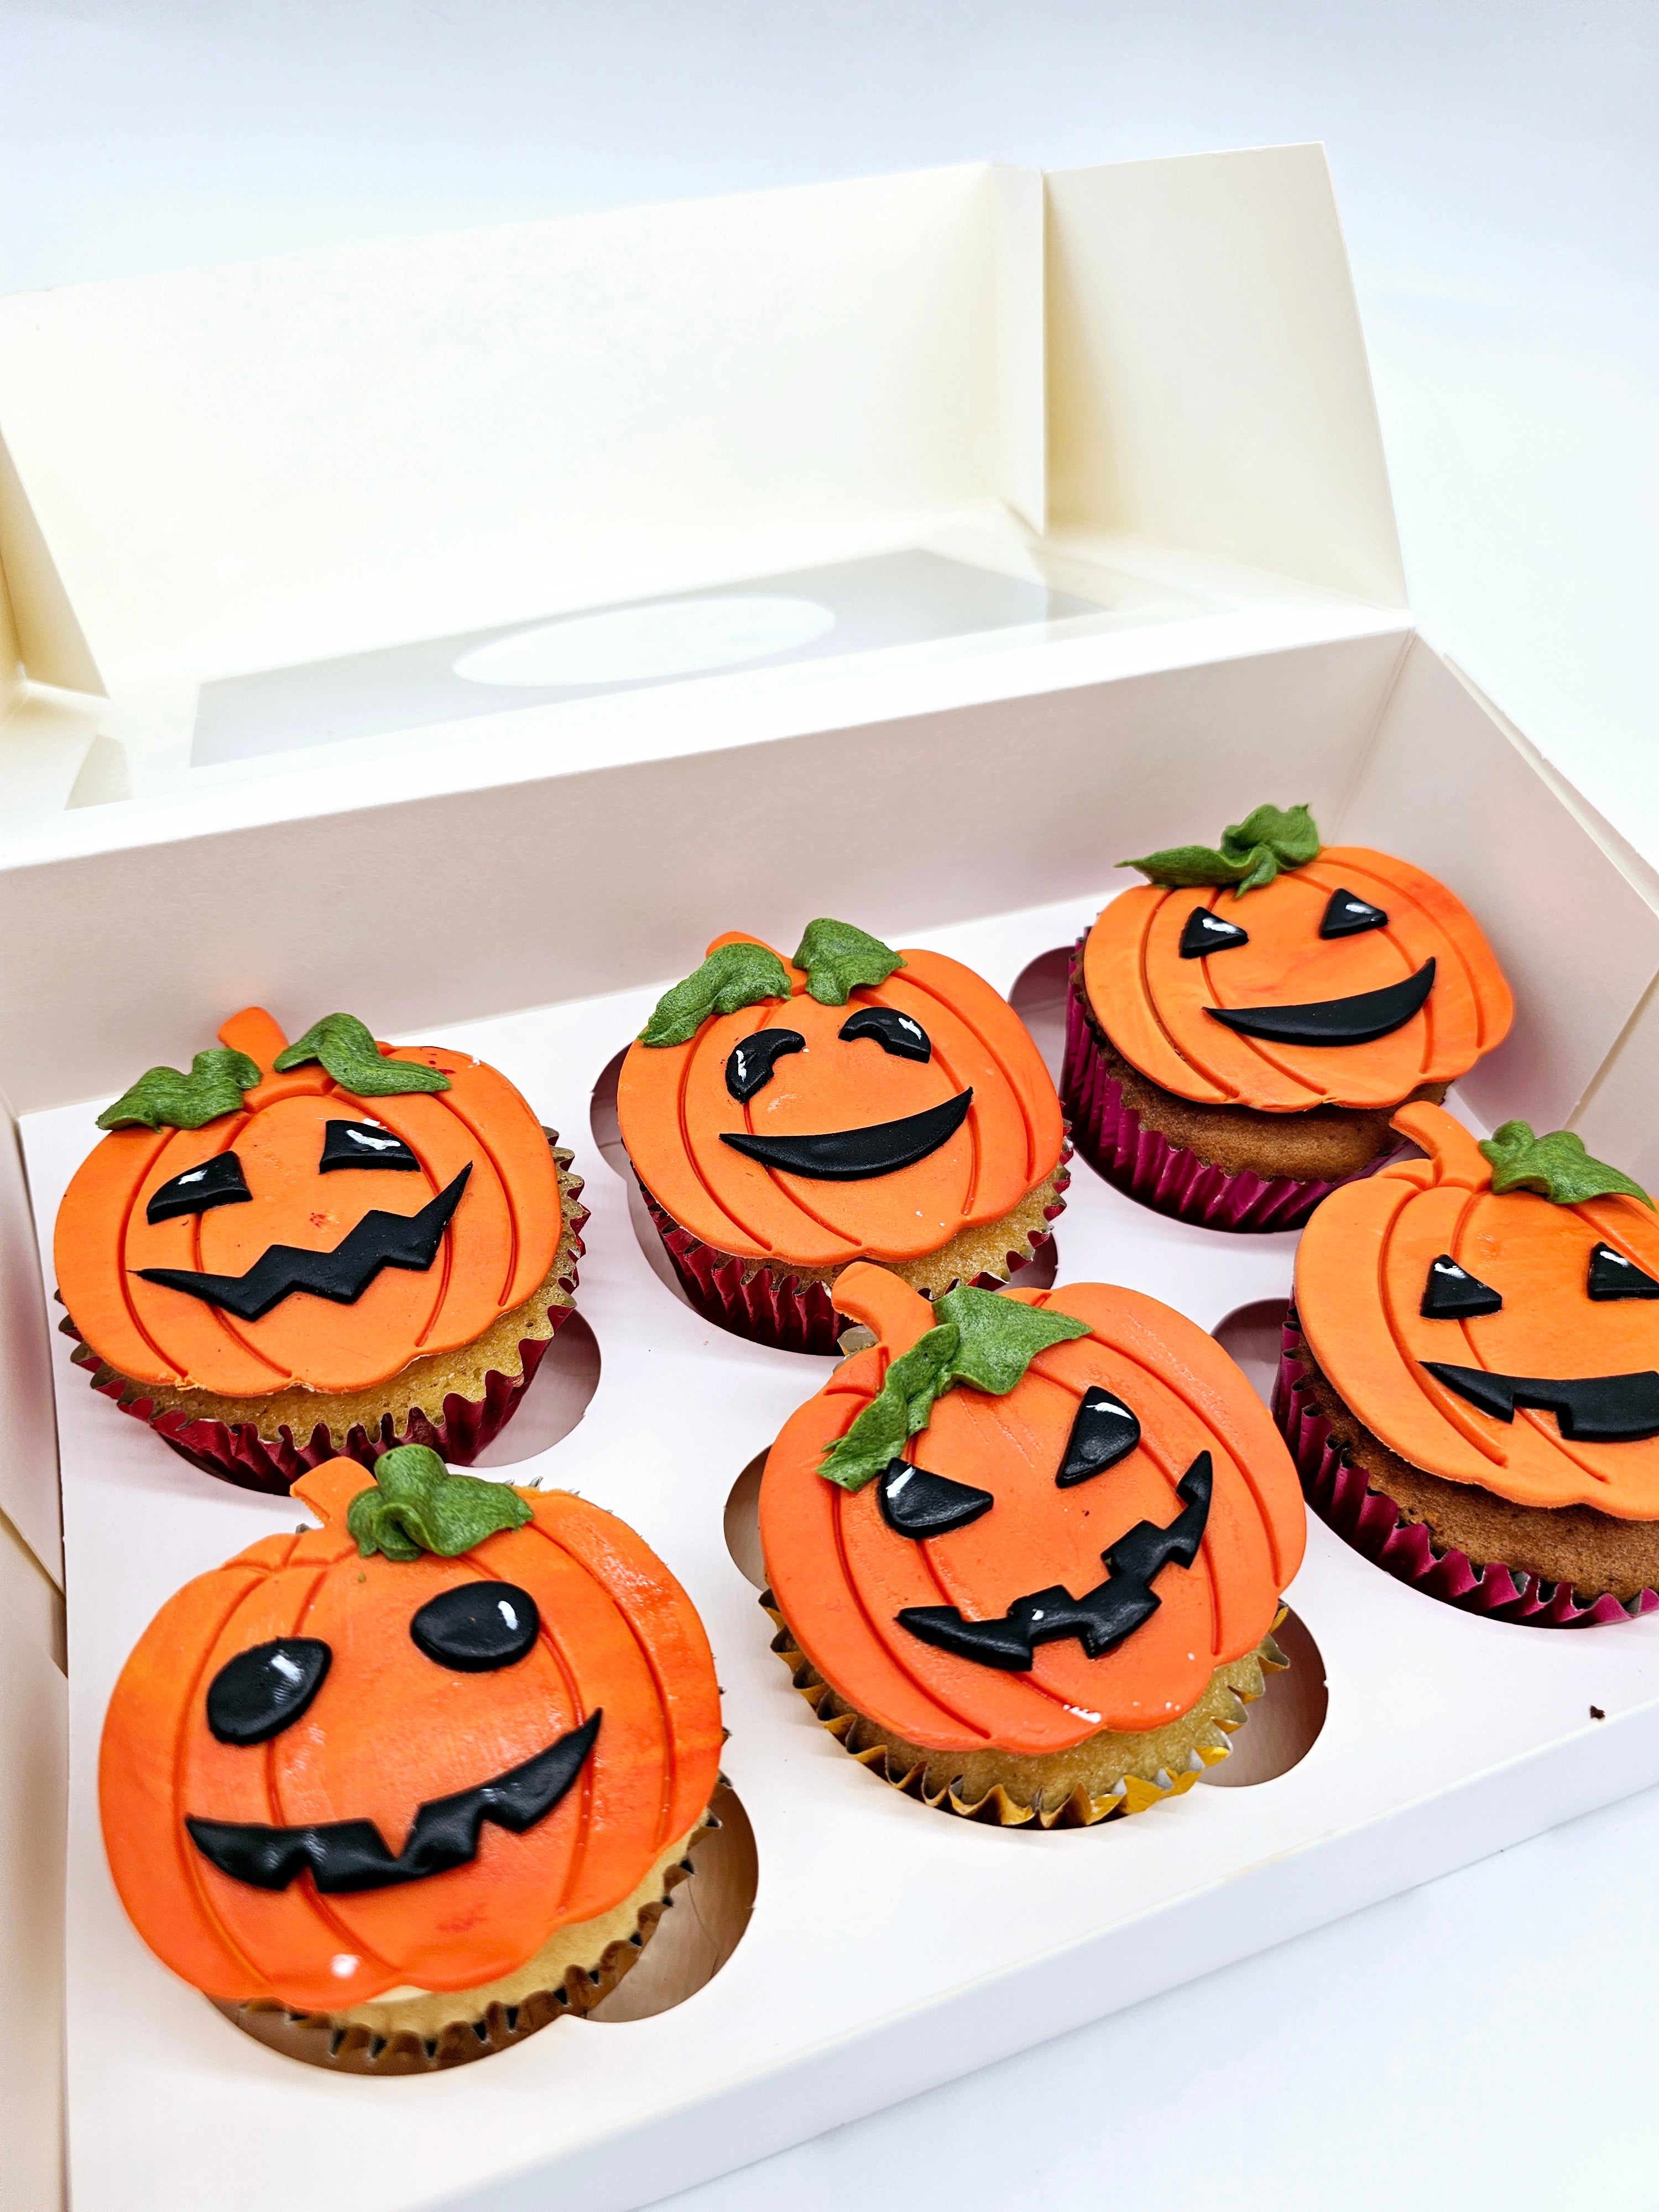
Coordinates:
560 1392
607 1138
1039 999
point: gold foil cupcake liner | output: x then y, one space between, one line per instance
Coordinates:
1108 1776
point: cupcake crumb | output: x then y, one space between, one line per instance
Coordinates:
1596 1713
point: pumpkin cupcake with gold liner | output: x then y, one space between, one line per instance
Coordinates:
936 1521
398 1791
1470 1378
787 1119
1241 1028
298 1250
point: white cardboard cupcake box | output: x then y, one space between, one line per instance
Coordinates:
944 537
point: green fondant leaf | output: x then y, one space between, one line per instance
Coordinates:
983 1339
732 976
1251 853
838 958
417 1505
1557 1166
347 1049
162 1098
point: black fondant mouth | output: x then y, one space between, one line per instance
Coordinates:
855 1155
380 1240
344 1856
1103 1617
1588 1409
1361 1019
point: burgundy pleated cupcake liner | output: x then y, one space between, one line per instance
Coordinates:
779 1311
1112 1137
1340 1494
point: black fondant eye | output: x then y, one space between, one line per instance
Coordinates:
749 1065
1347 916
893 1031
217 1182
1104 1432
477 1626
1451 1293
916 1503
1206 933
1612 1276
262 1691
364 1144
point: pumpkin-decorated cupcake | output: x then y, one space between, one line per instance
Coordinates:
1242 1028
1470 1382
302 1249
787 1118
397 1791
1025 1553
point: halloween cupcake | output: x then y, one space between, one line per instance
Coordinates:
788 1119
1240 1029
302 1249
397 1791
1025 1553
1470 1380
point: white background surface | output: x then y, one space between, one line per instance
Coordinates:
1489 2038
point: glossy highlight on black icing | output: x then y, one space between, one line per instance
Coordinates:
1206 933
1588 1409
856 1155
1612 1276
1451 1293
266 1688
217 1182
915 1502
1103 1617
346 1856
898 1033
477 1626
1360 1019
380 1240
749 1065
1347 914
361 1145
1103 1432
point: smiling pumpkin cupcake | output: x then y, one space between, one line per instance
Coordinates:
1242 1028
787 1119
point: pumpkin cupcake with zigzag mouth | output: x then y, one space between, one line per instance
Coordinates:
327 1246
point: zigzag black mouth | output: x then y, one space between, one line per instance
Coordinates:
380 1240
1361 1019
1588 1409
348 1856
855 1155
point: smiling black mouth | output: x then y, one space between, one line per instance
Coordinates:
1361 1019
1588 1409
855 1155
348 1856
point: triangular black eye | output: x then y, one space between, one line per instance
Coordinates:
1451 1293
1206 933
1104 1432
749 1065
1347 914
916 1503
1612 1276
217 1182
364 1144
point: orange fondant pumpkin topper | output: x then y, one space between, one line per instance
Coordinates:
855 1103
1279 974
1024 1518
318 1213
1491 1312
405 1748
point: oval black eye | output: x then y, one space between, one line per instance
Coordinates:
1206 933
477 1626
263 1690
358 1145
1612 1276
899 1034
916 1503
217 1182
749 1065
1347 914
1451 1293
1103 1432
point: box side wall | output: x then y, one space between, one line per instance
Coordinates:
29 1501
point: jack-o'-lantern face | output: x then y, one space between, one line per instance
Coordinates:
327 1772
1078 1550
1495 1335
877 1107
306 1232
1348 979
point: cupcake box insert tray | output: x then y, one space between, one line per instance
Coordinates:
968 797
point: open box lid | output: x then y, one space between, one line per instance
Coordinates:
1136 395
